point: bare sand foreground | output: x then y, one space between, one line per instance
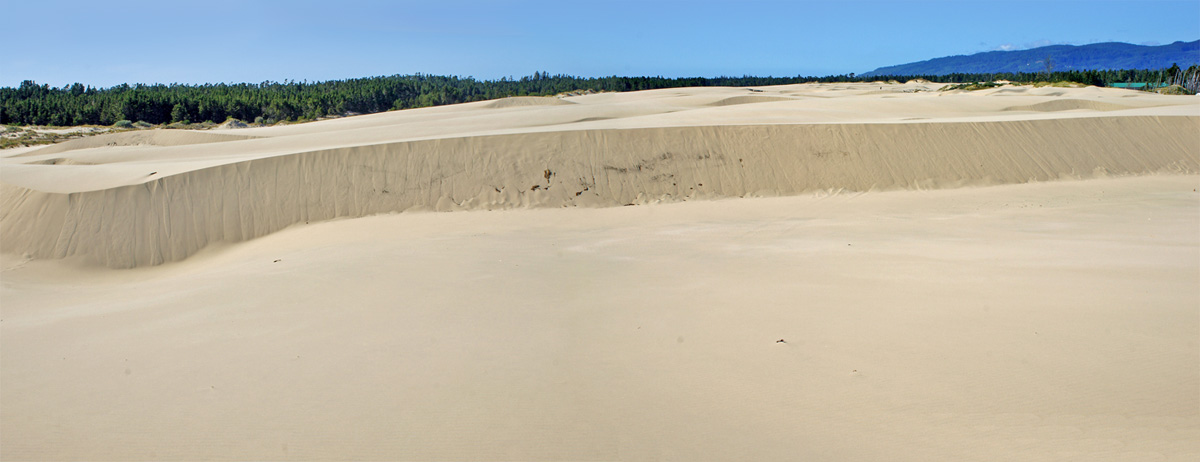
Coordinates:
1008 274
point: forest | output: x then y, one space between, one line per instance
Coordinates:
271 102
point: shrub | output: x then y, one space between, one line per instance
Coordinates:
123 124
972 86
1174 90
1058 84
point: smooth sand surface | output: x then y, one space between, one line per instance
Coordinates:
1008 274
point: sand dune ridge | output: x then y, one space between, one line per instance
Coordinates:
168 219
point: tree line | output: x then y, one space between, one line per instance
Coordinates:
269 102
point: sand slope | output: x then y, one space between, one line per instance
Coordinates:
145 198
1069 105
518 101
1051 321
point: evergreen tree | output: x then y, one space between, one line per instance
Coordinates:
179 113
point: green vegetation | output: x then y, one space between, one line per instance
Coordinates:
1174 90
1177 81
268 103
12 136
971 86
300 101
1058 84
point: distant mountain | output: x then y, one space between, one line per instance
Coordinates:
1097 56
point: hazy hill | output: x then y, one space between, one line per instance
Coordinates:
1112 55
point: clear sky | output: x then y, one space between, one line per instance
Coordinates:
105 43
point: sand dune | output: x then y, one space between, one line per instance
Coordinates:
1069 105
749 100
170 218
995 275
519 101
138 138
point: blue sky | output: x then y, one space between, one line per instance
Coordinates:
108 43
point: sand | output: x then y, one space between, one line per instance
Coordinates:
1007 274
